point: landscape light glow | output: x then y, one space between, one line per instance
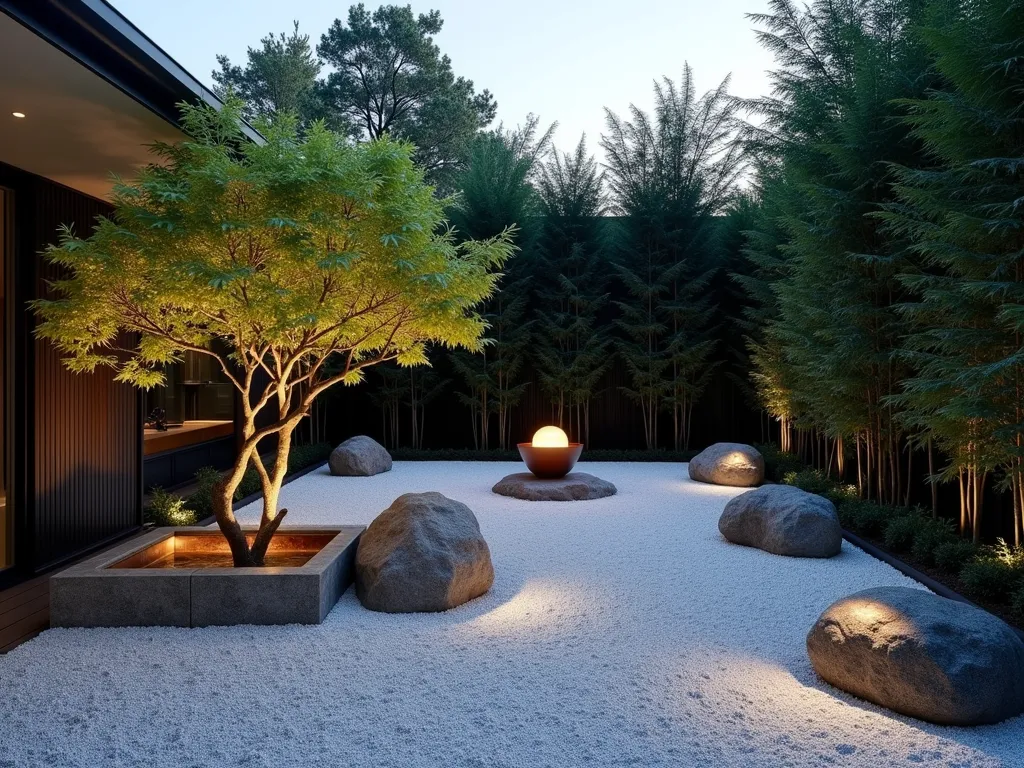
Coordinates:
550 437
18 114
550 454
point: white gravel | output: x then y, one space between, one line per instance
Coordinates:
621 631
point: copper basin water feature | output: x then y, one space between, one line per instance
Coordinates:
210 550
550 463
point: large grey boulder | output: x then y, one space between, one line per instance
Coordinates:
576 486
733 464
783 520
921 655
423 553
359 456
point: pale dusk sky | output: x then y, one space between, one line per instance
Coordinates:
564 60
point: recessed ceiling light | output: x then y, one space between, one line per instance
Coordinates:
18 114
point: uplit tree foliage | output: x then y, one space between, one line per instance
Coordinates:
669 176
828 357
294 264
962 212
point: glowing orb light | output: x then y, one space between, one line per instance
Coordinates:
550 455
550 437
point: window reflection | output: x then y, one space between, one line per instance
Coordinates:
196 404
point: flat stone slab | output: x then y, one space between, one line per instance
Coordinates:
92 594
921 655
576 486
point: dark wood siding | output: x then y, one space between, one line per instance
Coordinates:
86 427
77 438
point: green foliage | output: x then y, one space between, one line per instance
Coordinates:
810 480
929 536
866 517
990 578
167 509
302 456
669 176
201 499
389 78
952 556
778 464
826 354
497 196
571 347
900 532
303 259
1017 605
279 77
962 216
249 485
271 247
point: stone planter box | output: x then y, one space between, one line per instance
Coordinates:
130 585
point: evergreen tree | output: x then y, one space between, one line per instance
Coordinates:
280 76
766 266
497 195
571 349
390 78
964 216
669 176
829 133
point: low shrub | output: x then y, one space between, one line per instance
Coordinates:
777 464
952 556
201 499
302 456
1017 605
900 532
989 578
1012 556
810 480
167 509
249 485
842 494
931 534
864 517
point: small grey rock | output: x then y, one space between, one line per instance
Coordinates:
359 456
423 553
921 655
732 464
576 486
783 520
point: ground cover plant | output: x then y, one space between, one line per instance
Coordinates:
991 575
170 508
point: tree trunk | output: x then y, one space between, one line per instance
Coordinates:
223 499
272 518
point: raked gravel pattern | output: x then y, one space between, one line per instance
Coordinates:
619 632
